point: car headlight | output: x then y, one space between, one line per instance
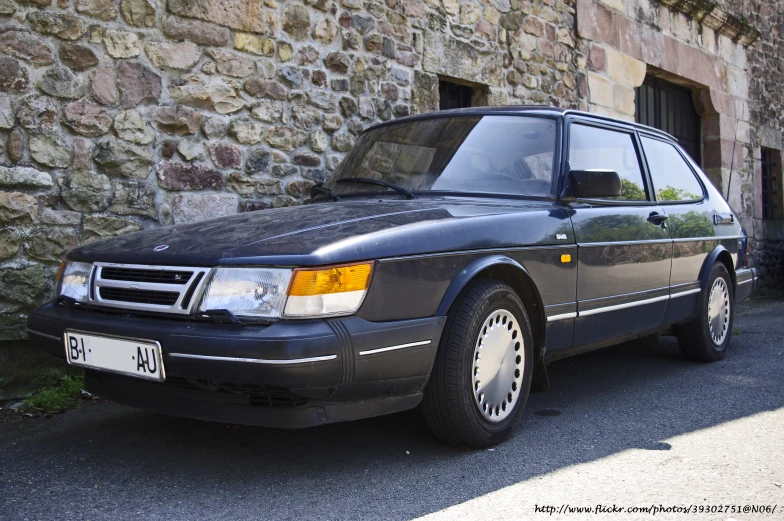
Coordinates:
299 293
319 292
73 280
250 292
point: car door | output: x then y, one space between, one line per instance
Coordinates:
690 221
624 250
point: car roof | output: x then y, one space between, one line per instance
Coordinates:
543 110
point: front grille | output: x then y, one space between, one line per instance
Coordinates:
139 296
155 276
256 395
156 289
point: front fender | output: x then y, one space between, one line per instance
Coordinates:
472 270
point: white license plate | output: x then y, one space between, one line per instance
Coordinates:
140 358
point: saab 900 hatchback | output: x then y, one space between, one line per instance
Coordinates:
445 262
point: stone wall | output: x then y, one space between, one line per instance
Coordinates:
766 93
118 115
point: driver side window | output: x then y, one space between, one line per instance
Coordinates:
593 148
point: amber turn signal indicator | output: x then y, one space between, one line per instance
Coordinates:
336 279
59 273
566 258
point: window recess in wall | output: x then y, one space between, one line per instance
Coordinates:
771 184
669 107
453 95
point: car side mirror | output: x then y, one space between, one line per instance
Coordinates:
591 184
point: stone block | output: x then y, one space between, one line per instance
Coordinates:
180 56
185 176
601 90
10 242
210 93
139 13
624 69
137 84
50 244
18 208
103 86
62 25
201 33
51 150
77 57
232 63
180 121
132 197
121 44
459 59
6 113
86 191
618 5
247 16
25 46
24 177
98 228
623 99
225 155
132 126
14 77
197 207
101 9
121 158
86 118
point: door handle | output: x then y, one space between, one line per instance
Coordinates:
723 218
657 218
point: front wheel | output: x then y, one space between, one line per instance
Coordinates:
482 374
706 337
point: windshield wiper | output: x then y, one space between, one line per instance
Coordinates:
370 181
319 189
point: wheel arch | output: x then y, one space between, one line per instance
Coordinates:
501 267
719 254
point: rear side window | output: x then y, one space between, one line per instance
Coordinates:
592 148
672 178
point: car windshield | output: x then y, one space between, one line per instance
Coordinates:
474 154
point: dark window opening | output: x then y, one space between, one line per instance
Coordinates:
770 182
454 96
669 107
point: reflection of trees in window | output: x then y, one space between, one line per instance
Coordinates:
630 191
670 193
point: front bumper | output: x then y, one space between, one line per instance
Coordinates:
288 374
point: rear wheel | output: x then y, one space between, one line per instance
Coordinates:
482 374
707 336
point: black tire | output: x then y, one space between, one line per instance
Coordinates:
694 337
449 404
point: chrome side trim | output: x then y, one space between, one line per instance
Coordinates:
624 243
622 306
290 361
562 316
744 281
714 238
394 348
684 293
485 250
33 332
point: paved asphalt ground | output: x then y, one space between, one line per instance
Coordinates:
631 425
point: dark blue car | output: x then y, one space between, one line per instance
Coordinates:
445 262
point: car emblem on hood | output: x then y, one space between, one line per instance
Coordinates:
161 247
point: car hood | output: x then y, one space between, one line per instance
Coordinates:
332 232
